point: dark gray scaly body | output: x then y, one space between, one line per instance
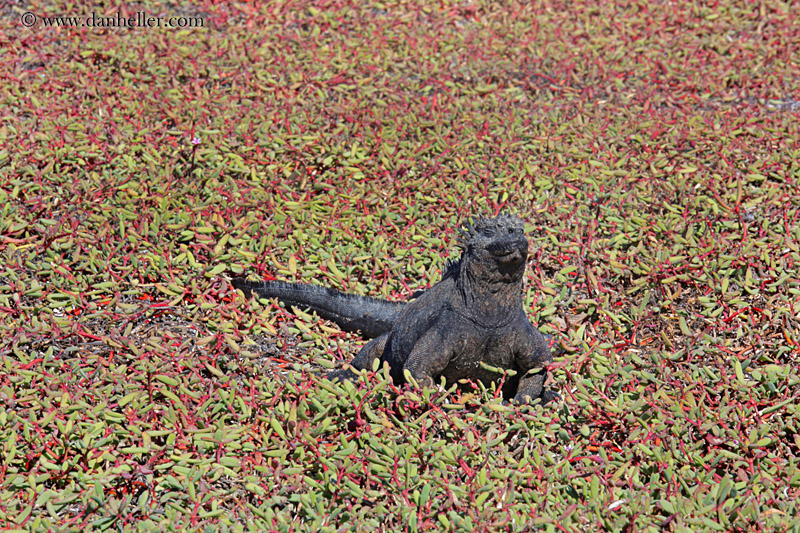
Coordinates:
471 319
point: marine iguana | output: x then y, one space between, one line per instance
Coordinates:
469 325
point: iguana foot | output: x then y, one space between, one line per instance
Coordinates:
546 397
345 374
549 396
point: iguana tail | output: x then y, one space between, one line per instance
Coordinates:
371 316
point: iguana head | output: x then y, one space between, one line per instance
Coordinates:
494 249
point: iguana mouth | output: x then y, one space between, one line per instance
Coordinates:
507 252
508 257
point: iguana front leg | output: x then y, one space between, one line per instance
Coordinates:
429 357
531 386
371 351
533 358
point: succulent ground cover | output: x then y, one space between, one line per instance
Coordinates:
652 149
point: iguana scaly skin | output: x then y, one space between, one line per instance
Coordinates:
469 325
